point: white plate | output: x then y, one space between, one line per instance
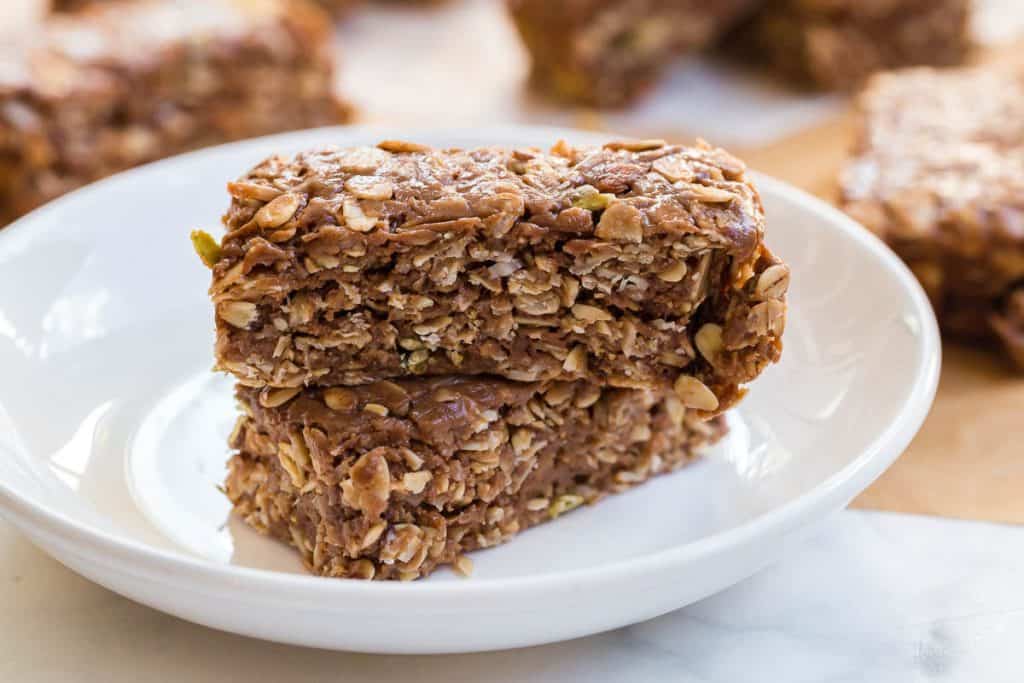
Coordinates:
112 429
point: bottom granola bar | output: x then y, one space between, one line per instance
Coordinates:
393 479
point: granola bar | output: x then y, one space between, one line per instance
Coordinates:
124 83
938 172
837 44
393 479
633 265
606 52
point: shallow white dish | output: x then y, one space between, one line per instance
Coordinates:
112 429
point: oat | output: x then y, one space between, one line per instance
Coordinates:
415 482
370 187
709 341
621 222
356 219
521 440
340 399
278 211
674 273
674 168
773 282
373 535
274 398
253 191
369 484
695 394
535 504
240 314
463 566
711 195
576 361
591 313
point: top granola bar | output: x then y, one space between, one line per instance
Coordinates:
633 265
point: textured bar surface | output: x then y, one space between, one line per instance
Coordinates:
837 44
606 52
938 172
124 83
393 479
636 267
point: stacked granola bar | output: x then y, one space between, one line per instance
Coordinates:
436 349
123 83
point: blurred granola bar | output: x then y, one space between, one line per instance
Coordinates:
938 172
124 83
838 44
606 52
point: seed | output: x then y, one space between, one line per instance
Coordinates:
587 197
207 247
376 409
564 503
402 146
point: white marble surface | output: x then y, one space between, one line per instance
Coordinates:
876 597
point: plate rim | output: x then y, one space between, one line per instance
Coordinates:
841 486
